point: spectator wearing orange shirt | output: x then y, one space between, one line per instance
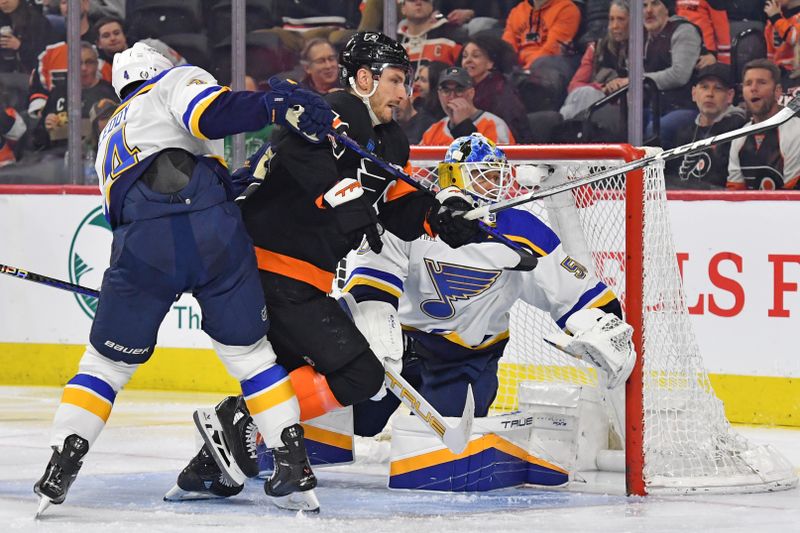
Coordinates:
427 35
12 128
712 19
782 33
457 95
540 28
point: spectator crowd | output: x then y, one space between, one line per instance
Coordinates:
530 71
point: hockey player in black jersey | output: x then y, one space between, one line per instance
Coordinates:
314 204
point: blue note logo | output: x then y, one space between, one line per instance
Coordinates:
452 283
88 256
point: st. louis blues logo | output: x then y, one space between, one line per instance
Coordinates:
454 282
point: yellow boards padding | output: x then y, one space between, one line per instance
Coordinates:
175 369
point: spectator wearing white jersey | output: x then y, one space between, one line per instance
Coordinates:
769 160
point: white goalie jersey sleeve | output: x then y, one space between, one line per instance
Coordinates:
464 294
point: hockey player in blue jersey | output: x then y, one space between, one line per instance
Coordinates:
169 201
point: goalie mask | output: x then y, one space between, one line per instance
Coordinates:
476 165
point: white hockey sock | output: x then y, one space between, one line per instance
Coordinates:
88 397
266 387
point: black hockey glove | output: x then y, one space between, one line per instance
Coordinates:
355 216
448 220
250 176
302 110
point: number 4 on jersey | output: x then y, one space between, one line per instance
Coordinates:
118 157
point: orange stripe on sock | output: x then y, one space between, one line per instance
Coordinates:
313 393
270 397
87 401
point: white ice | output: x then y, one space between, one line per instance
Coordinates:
150 437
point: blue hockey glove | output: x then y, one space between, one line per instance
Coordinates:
299 109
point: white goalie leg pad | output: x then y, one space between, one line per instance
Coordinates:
419 459
70 418
601 339
569 425
380 325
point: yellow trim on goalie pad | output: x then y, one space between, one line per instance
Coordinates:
331 438
747 399
427 460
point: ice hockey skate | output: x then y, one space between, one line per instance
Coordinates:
292 483
230 436
61 471
202 479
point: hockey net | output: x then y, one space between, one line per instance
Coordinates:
677 436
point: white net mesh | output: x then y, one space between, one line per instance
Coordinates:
688 443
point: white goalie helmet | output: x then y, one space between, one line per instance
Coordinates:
475 164
140 62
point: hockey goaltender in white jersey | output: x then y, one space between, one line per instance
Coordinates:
454 306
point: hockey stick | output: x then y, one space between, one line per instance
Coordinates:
782 116
455 438
527 261
46 280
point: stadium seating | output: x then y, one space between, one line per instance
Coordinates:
155 18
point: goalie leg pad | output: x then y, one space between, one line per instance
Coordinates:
420 461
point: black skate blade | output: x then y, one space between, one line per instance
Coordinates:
305 501
177 494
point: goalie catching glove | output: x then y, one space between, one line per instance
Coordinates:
448 220
304 111
601 339
380 325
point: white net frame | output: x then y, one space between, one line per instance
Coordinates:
687 444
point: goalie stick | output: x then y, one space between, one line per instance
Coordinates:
527 260
455 437
782 116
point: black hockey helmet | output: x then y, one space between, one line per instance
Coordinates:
374 51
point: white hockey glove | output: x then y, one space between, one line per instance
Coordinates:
601 339
380 325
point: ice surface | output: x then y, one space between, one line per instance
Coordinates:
150 437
